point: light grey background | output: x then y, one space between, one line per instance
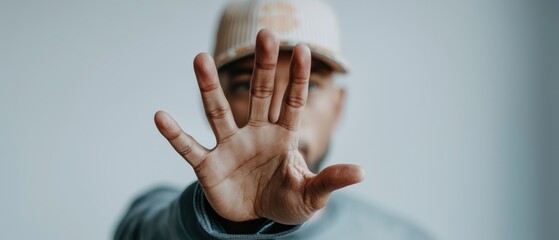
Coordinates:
549 167
446 112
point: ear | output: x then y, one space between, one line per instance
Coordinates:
339 104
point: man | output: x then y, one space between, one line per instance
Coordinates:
256 183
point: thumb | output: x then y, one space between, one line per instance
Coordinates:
332 178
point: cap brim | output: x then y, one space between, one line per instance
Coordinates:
335 61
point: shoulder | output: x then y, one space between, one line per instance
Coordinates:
156 196
373 220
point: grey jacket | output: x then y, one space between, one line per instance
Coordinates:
166 213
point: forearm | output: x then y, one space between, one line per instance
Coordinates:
167 214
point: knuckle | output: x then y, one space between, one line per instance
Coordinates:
299 78
265 66
261 91
226 137
210 87
217 113
257 123
313 203
198 168
185 150
175 135
294 101
288 127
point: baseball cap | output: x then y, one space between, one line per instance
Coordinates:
312 22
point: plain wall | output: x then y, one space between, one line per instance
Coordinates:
443 111
549 177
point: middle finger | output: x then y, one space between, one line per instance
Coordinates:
262 82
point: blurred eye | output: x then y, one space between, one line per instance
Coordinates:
240 86
312 86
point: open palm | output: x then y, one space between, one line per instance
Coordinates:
257 171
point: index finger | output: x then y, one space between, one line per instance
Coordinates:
216 105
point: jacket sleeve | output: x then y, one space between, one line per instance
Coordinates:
165 213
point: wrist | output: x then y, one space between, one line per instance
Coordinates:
233 227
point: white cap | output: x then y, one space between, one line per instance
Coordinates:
311 22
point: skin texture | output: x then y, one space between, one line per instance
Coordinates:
322 109
258 169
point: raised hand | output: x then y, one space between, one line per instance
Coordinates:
257 171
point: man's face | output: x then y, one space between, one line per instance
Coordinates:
322 111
